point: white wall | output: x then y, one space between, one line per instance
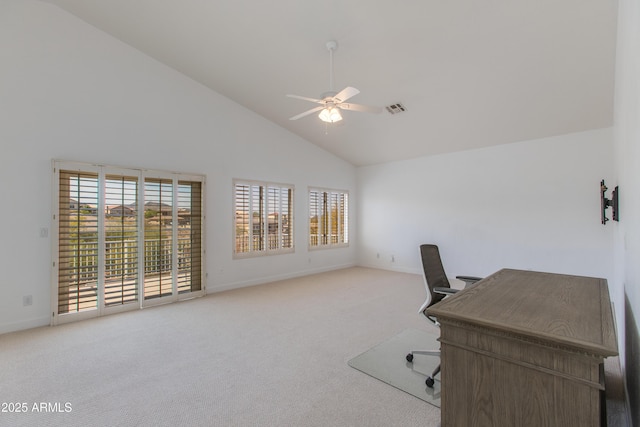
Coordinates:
528 205
627 164
69 91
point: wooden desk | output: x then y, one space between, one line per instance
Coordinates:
524 348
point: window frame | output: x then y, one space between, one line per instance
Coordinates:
264 212
105 173
343 235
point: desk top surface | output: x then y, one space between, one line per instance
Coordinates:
560 309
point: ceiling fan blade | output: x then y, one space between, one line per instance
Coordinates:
361 108
306 113
345 94
304 98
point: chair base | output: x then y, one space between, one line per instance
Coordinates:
430 381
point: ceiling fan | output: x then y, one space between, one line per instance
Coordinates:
332 102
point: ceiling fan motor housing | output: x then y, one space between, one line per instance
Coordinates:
328 95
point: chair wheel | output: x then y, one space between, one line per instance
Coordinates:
430 382
410 357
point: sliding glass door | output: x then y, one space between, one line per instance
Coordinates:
126 238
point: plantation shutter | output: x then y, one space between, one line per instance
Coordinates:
324 218
279 212
242 218
314 215
286 217
78 242
273 218
344 218
257 217
328 218
121 232
334 210
121 240
158 238
249 218
189 236
263 216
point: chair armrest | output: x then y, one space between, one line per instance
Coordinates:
445 291
469 280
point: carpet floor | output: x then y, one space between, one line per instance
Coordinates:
269 355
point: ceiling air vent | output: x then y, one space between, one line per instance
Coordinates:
396 108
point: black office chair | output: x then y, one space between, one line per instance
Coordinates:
437 286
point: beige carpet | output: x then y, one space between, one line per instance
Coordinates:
269 355
387 362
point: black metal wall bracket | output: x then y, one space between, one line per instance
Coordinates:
605 203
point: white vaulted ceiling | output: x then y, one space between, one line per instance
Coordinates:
469 73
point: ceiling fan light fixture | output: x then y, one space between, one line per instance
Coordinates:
330 115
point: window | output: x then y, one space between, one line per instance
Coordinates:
328 218
111 255
263 218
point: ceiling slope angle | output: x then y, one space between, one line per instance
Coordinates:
470 74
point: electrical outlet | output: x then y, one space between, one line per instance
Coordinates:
27 300
44 232
393 258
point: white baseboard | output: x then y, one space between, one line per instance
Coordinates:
398 269
269 279
25 324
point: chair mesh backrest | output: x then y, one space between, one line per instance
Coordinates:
434 274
